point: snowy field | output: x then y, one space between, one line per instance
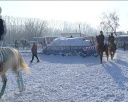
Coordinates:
71 79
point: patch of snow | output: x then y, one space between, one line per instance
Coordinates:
77 41
71 79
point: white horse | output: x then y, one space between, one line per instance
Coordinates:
12 58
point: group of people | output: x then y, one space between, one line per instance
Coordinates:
111 39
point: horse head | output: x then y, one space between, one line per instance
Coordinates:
97 39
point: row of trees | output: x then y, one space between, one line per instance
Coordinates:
32 27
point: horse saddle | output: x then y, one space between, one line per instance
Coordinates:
111 44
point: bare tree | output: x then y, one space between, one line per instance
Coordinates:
24 28
110 22
86 29
32 27
14 28
35 28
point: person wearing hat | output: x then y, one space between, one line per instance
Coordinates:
2 29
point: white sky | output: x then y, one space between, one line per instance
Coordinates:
73 11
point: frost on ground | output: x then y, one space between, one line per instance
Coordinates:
71 79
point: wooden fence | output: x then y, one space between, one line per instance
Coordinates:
63 49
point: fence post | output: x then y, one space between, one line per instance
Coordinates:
70 49
124 45
46 49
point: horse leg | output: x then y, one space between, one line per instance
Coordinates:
4 80
101 55
106 54
114 51
111 55
20 82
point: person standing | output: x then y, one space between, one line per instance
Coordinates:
2 29
34 52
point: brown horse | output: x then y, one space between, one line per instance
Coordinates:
101 48
24 43
111 49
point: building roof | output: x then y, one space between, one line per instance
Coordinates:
72 34
117 33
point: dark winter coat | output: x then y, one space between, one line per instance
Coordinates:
101 38
34 49
2 28
112 39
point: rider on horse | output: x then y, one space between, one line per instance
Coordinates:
101 38
101 47
111 40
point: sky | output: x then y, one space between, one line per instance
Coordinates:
72 11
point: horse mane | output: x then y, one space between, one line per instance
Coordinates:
97 38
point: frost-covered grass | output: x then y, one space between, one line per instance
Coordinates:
71 79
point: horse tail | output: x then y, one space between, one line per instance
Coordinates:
23 65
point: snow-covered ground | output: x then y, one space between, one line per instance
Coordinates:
71 79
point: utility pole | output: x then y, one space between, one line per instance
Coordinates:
79 30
